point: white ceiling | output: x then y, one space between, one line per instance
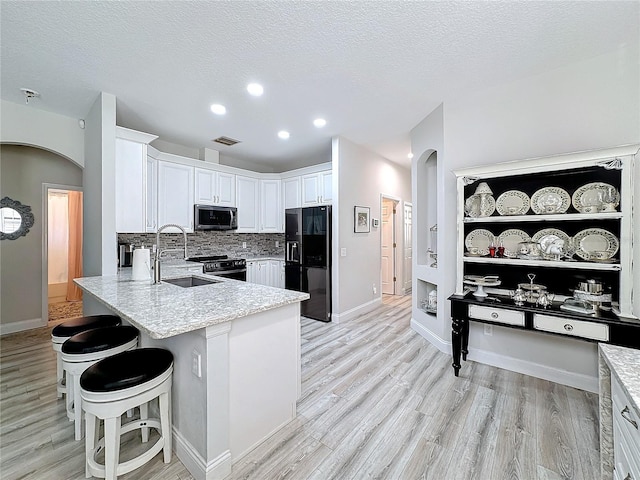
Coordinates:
373 69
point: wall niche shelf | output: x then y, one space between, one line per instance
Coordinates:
426 221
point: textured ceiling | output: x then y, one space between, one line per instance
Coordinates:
372 69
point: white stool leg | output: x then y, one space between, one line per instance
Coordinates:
90 440
144 415
165 425
70 393
77 407
59 373
111 447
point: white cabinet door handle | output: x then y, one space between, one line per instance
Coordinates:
624 411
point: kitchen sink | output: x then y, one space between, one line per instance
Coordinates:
190 281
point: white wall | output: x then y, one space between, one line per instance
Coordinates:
586 105
360 178
26 125
428 137
99 218
23 170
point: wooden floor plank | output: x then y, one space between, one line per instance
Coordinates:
378 401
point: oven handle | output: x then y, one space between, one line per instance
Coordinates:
222 273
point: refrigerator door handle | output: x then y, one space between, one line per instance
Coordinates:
290 249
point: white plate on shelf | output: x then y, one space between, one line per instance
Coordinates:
595 240
591 197
481 239
510 240
549 200
548 237
513 202
474 206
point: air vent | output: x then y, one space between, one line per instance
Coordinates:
226 141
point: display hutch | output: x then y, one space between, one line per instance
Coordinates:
557 227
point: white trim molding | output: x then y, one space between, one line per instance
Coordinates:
21 325
356 311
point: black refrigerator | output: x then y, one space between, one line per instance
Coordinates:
308 258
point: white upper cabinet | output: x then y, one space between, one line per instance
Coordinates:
175 195
215 188
271 214
316 189
152 194
291 193
247 196
131 180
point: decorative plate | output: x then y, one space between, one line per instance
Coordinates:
554 242
595 243
513 202
481 239
474 206
590 198
510 239
550 200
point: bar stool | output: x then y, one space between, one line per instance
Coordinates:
63 331
115 385
83 350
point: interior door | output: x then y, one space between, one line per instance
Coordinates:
387 253
408 249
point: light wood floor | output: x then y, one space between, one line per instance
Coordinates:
377 402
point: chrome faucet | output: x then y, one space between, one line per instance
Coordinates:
156 260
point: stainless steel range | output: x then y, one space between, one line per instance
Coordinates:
223 266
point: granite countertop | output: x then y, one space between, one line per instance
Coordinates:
167 310
624 363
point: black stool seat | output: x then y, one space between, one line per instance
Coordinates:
99 339
80 324
125 370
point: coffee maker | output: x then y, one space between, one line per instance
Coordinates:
125 254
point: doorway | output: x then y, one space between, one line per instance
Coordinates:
388 245
408 247
62 252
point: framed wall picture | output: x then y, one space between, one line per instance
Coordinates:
361 219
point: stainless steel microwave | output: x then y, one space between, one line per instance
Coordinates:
211 217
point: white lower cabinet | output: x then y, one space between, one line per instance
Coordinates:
266 272
626 434
276 273
175 195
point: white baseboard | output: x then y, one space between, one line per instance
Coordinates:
545 372
441 344
217 469
13 327
356 311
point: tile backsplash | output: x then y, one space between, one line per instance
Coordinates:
211 243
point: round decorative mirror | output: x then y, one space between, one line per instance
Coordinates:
15 219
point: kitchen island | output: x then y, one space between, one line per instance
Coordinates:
236 348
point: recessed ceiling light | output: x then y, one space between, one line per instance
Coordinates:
283 134
255 89
218 109
410 155
319 122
